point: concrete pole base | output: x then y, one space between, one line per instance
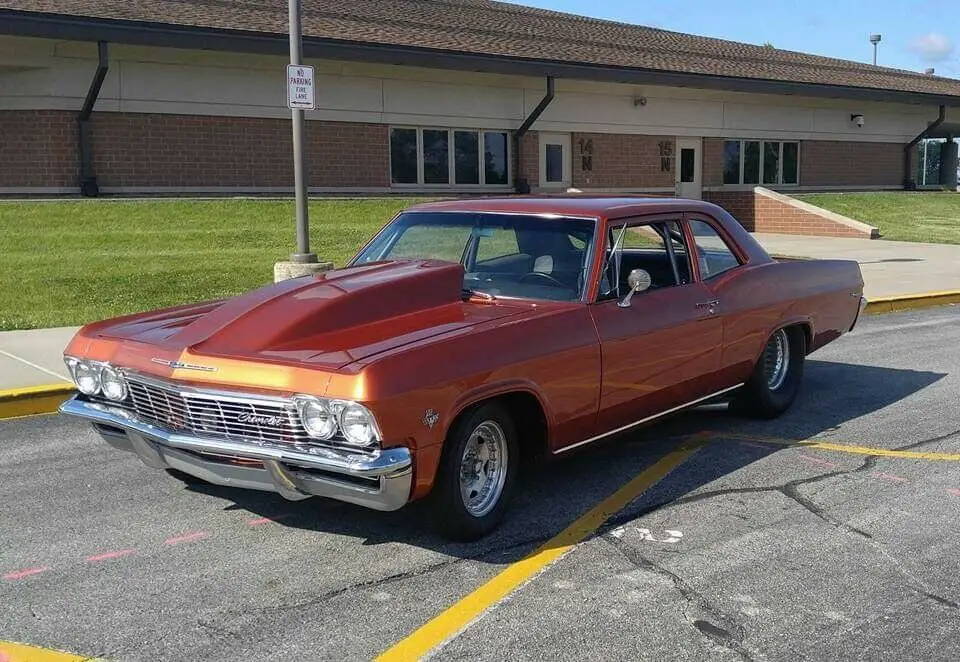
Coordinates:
288 270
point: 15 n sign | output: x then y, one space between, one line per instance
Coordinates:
300 87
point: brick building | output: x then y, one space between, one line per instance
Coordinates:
444 96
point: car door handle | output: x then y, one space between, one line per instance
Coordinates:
709 304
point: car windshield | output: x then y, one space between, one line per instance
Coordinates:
504 255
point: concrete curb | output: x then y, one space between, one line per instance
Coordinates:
32 400
913 301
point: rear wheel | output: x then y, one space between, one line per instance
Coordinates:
477 474
775 381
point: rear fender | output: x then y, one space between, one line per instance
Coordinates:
804 321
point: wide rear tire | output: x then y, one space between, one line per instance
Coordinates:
775 381
477 474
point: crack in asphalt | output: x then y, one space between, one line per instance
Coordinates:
942 600
790 489
226 632
931 440
701 614
401 576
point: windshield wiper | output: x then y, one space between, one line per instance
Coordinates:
467 292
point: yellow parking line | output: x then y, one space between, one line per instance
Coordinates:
456 618
11 651
846 448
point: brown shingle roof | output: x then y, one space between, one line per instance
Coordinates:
482 27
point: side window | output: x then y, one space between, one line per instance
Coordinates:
714 256
656 247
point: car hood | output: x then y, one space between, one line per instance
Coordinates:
327 321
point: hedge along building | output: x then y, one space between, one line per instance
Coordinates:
443 96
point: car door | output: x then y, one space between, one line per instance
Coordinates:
741 304
663 350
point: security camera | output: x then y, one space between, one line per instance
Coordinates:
857 119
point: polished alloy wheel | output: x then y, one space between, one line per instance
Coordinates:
776 359
483 468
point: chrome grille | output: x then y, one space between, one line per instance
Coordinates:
213 414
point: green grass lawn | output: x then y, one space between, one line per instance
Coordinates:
71 262
928 216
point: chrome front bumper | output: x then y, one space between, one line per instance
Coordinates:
381 481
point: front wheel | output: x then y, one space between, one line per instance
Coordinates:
477 474
775 381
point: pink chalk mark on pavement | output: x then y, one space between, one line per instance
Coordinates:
110 555
954 492
267 520
892 479
188 537
817 460
20 574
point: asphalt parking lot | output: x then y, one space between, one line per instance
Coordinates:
754 547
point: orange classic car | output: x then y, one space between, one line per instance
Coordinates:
466 337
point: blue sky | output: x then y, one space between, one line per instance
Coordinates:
915 33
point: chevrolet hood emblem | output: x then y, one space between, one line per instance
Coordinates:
182 365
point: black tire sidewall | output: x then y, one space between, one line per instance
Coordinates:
452 516
758 399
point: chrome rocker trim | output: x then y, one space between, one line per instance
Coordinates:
379 481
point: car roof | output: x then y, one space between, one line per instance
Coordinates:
600 206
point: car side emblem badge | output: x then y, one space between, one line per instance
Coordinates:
430 418
182 365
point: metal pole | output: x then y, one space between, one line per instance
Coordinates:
874 54
303 253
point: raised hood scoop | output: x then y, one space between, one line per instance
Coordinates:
328 320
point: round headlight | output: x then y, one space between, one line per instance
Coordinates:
356 423
317 419
87 377
113 384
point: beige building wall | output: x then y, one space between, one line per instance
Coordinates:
142 127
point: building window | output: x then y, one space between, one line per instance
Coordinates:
495 157
403 156
449 157
766 162
436 157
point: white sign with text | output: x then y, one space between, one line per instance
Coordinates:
300 87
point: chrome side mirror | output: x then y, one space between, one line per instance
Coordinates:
638 280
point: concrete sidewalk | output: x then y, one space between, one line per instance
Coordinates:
32 359
890 268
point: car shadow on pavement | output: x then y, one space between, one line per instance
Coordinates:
554 494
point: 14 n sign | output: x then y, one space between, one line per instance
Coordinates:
300 87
